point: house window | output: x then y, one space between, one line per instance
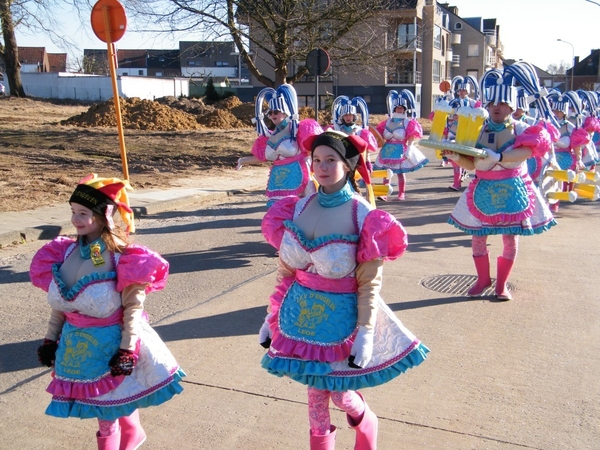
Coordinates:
158 74
437 70
125 74
473 50
192 63
140 72
407 35
437 37
458 26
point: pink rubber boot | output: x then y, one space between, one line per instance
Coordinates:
504 268
482 266
456 184
132 433
108 442
366 429
401 186
326 442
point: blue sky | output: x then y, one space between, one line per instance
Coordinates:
529 30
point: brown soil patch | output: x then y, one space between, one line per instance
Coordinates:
46 148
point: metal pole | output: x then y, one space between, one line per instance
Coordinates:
317 72
112 57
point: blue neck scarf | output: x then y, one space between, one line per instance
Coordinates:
337 198
497 127
84 250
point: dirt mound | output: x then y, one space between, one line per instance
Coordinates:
167 114
136 114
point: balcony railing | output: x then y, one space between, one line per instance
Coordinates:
404 78
455 61
410 42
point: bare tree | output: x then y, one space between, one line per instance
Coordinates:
558 69
280 32
35 16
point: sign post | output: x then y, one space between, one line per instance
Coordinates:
317 63
109 23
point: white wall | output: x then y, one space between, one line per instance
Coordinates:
226 71
99 88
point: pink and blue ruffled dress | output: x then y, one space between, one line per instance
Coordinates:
82 385
504 200
290 172
314 313
395 154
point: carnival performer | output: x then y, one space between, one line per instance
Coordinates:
461 86
345 113
399 153
568 149
107 361
502 198
283 146
591 124
327 326
522 106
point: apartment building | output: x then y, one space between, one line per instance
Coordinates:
428 42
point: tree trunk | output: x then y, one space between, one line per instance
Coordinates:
10 52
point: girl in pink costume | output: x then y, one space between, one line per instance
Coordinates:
327 326
283 146
399 153
502 199
573 138
107 360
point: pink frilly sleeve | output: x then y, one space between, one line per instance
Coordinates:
478 104
551 129
382 236
414 129
431 114
306 129
381 127
259 147
272 223
140 265
368 137
535 138
579 137
591 124
40 270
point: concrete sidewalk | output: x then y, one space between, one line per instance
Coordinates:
50 221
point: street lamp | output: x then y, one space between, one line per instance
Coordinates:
572 60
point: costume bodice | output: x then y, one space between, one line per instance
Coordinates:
501 141
93 295
330 256
280 144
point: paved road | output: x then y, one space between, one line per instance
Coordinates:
513 375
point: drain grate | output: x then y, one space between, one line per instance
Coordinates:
458 284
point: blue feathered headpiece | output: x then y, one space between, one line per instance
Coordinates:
343 105
403 98
283 99
500 87
465 83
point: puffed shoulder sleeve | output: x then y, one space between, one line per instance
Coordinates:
382 236
414 129
140 265
579 137
272 223
51 253
259 148
381 126
306 129
536 138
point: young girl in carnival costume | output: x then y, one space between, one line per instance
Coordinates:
502 199
537 164
283 146
344 113
107 360
573 138
461 86
591 124
399 153
327 326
